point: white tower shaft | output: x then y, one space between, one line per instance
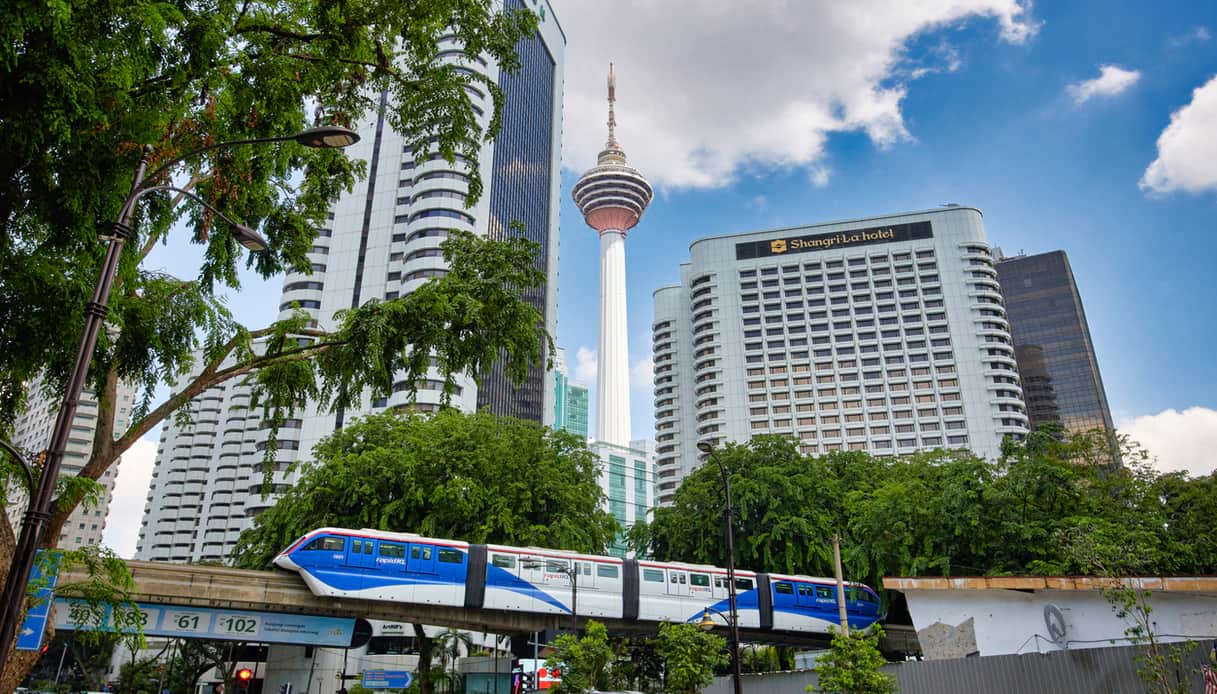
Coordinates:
613 366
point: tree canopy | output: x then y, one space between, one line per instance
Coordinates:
473 477
86 85
1046 507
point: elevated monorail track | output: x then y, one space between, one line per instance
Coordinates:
189 585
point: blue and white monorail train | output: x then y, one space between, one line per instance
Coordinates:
404 567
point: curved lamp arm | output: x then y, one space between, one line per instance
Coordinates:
325 137
25 465
245 235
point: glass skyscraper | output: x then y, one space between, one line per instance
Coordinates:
570 399
382 240
1060 374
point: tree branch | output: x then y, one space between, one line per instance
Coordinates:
275 31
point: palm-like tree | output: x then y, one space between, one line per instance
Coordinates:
449 644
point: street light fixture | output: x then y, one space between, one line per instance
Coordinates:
733 631
38 513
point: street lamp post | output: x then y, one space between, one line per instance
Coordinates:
733 627
38 513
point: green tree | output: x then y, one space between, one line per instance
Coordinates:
689 656
943 513
585 661
86 84
474 477
851 665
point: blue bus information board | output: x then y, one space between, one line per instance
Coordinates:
231 625
386 679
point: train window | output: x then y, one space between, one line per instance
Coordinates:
426 554
356 546
367 547
653 575
327 544
503 561
824 592
720 582
743 584
388 549
699 580
587 569
783 588
556 567
682 579
606 570
414 552
450 556
806 590
865 596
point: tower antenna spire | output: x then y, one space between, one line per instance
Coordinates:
612 118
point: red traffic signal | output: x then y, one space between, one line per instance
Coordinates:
245 674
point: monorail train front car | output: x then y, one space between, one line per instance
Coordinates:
404 567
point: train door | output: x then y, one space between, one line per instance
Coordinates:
678 582
421 559
805 595
362 553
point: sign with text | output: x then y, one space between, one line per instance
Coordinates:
231 625
29 635
839 239
386 679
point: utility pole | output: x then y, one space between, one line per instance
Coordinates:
836 560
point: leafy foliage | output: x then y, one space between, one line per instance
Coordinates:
584 660
690 656
851 665
474 477
941 513
87 85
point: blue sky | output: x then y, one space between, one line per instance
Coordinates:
993 123
764 114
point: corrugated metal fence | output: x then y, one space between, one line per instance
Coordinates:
1080 671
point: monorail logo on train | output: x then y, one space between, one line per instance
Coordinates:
403 567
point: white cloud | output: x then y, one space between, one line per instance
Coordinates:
1184 440
130 493
1200 33
708 89
1112 80
585 365
642 374
1187 149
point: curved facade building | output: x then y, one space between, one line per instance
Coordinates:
886 334
382 241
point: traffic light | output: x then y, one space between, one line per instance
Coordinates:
244 677
526 681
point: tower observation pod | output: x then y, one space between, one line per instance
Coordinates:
612 197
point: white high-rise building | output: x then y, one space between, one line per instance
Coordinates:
383 241
32 433
886 334
612 197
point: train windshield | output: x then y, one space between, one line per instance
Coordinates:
325 544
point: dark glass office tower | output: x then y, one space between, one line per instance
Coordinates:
1060 374
520 190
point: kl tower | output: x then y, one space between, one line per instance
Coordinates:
612 197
